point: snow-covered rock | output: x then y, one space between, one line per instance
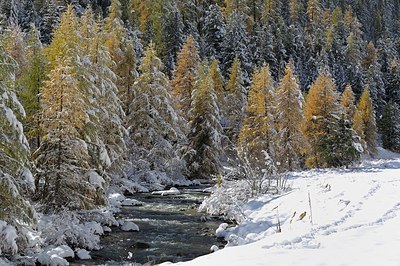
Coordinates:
83 254
56 256
214 248
107 229
94 228
131 202
221 230
95 179
129 226
171 191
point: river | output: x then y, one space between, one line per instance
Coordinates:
171 229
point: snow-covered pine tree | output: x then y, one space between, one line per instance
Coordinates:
237 43
258 130
289 117
30 83
218 82
235 101
154 126
390 127
329 136
62 160
185 76
348 101
205 133
49 18
173 37
214 32
367 123
121 49
15 177
104 131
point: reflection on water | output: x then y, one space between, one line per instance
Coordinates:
171 229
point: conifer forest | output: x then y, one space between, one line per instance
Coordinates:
101 100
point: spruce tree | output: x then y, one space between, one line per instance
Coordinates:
329 136
205 133
390 127
235 101
155 129
185 75
62 160
258 130
366 111
289 117
214 33
15 177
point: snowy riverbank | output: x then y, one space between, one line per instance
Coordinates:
354 219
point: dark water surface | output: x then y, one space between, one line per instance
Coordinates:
171 229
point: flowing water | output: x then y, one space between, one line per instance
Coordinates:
171 229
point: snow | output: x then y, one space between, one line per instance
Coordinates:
95 179
56 256
170 192
129 226
83 254
131 202
327 217
8 238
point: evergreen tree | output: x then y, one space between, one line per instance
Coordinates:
205 134
121 50
390 127
258 130
329 136
185 75
289 117
236 43
348 101
154 126
31 82
366 111
173 37
15 177
49 18
214 33
235 101
62 160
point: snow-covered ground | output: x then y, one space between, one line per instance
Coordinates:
329 217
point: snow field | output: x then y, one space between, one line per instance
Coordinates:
354 219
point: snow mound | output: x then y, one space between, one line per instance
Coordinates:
129 226
170 192
214 248
56 256
221 230
83 254
131 202
8 238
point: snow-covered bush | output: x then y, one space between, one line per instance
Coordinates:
228 199
67 228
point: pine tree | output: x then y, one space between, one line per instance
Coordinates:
329 136
173 37
205 134
235 101
121 49
366 111
154 126
258 130
15 177
348 101
289 117
390 127
49 18
62 160
236 43
185 75
31 82
104 130
214 33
